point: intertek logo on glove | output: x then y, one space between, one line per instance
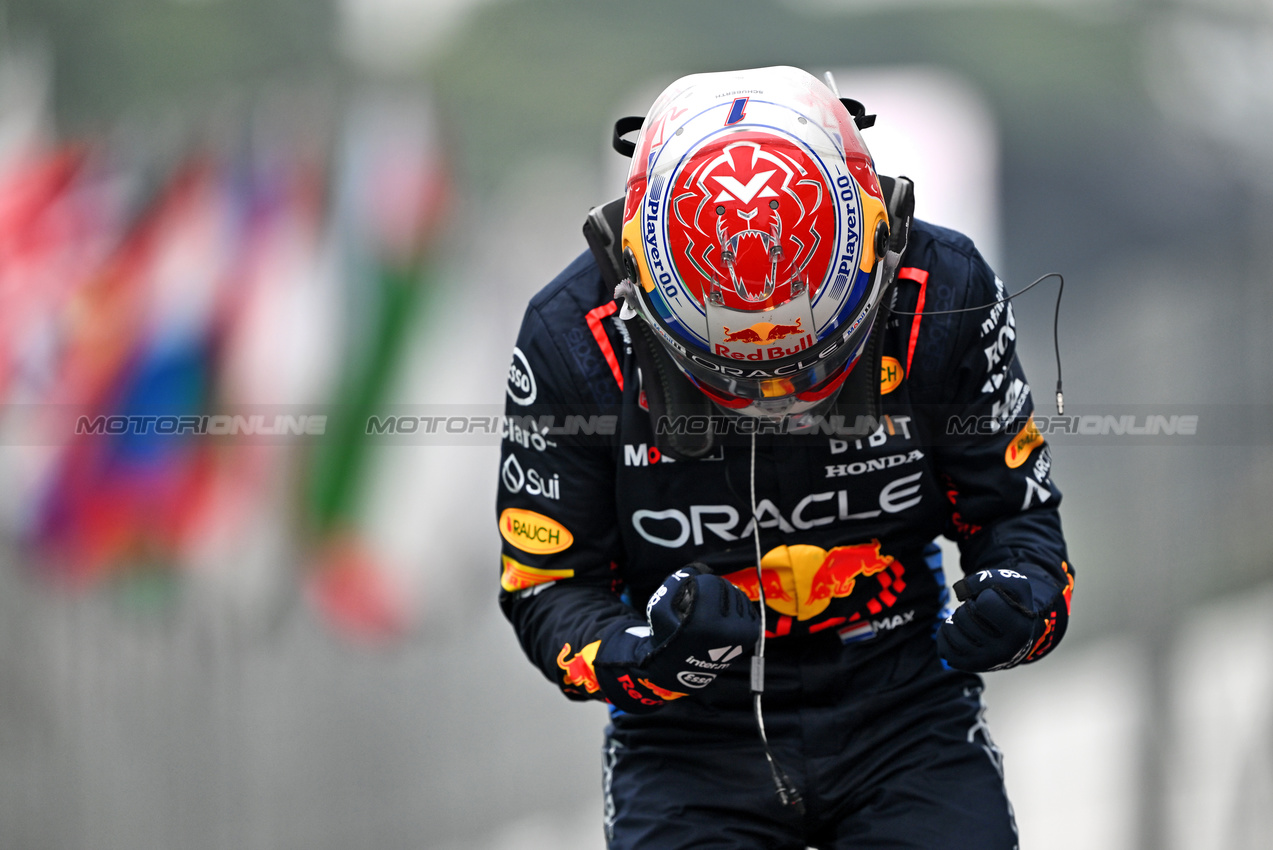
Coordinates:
721 658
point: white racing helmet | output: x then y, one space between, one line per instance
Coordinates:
755 237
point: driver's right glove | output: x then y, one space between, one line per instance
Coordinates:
697 627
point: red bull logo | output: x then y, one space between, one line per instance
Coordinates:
579 669
778 589
763 333
662 693
837 576
800 581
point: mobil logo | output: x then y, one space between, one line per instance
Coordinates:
641 454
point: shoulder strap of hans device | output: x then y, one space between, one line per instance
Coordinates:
859 399
667 391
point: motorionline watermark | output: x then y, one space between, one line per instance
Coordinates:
215 425
745 426
486 426
1085 425
956 426
489 424
507 427
1089 424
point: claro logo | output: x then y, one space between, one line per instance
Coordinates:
534 533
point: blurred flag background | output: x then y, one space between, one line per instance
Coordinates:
234 231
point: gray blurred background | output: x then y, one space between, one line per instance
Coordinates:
304 205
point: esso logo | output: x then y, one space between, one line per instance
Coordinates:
690 679
521 380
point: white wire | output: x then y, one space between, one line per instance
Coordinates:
786 790
755 534
757 678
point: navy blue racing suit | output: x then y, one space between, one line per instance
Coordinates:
886 744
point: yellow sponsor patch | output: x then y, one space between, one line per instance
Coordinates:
534 533
890 374
518 576
1022 444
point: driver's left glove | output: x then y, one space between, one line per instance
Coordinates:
1003 621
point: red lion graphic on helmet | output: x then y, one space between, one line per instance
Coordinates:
749 213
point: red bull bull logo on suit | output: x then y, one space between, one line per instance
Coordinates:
578 667
800 581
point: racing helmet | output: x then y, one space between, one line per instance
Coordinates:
755 237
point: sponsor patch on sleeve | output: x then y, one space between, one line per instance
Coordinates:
891 374
1026 441
518 576
521 380
533 532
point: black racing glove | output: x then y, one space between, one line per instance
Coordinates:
1001 623
698 626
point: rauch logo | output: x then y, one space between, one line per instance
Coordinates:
533 532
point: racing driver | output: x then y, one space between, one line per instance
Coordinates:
735 427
